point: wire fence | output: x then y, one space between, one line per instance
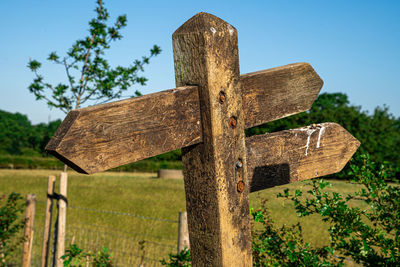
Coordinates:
134 240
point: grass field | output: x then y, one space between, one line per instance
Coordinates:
144 195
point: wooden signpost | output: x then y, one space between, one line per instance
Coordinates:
206 116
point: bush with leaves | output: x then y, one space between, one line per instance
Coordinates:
364 225
10 225
182 259
284 246
369 236
76 257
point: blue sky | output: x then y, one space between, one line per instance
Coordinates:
353 45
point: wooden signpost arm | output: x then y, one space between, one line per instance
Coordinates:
276 93
215 171
298 154
101 137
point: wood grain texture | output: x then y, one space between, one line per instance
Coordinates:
276 93
299 154
62 219
101 137
206 54
183 232
47 221
30 211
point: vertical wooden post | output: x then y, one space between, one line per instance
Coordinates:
215 171
62 217
47 220
183 232
28 232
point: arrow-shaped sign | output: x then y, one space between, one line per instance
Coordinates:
299 154
105 136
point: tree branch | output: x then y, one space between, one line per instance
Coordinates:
69 77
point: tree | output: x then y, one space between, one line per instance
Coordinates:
379 132
17 135
89 75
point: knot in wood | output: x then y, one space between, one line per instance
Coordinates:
240 186
233 122
222 97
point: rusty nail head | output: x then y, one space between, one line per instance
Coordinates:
233 122
222 97
240 186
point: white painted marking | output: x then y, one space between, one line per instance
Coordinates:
309 133
309 130
321 132
230 29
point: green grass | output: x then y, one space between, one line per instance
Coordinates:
145 195
136 193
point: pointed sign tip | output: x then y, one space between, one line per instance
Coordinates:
68 162
58 137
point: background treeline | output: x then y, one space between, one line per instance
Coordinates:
379 132
19 137
22 144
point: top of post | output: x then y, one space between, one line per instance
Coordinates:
205 22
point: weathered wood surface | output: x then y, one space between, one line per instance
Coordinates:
105 136
101 137
47 221
62 219
30 210
298 154
183 232
206 54
276 93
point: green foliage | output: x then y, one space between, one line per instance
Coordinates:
379 133
370 236
169 156
284 246
364 225
19 137
181 259
90 77
50 163
273 246
76 257
10 225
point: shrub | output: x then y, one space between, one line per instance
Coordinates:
180 259
11 224
370 236
284 246
76 257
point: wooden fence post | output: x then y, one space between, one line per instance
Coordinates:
62 217
47 220
215 171
28 232
183 232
